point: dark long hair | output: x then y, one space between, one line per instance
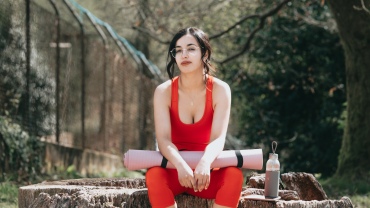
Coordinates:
203 41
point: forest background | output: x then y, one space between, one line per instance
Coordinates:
297 70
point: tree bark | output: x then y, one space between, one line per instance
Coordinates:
353 21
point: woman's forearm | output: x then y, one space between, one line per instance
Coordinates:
171 153
212 150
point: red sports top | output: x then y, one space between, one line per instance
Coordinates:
191 137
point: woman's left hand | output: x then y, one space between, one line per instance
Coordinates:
202 176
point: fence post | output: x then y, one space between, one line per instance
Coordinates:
104 102
83 71
57 71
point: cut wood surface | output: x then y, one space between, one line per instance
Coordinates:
125 192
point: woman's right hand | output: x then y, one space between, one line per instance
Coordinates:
186 176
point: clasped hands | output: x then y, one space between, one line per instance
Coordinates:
198 180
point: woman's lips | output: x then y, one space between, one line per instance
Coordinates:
184 63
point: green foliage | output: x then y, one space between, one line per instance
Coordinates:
293 93
72 172
358 191
62 173
22 116
341 186
5 24
16 102
20 153
8 195
124 173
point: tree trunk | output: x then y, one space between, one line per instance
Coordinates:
354 28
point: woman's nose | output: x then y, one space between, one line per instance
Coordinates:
184 53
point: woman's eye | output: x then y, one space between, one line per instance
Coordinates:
178 51
191 49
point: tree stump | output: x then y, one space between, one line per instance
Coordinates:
127 193
305 184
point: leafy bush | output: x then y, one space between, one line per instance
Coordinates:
20 153
23 114
8 194
293 92
34 108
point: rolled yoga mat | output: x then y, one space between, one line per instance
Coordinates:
143 159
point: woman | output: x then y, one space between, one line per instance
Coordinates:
191 112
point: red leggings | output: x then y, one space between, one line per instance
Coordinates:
163 185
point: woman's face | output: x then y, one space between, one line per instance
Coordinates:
188 54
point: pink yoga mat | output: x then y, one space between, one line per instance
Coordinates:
143 159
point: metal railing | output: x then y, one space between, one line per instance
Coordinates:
85 85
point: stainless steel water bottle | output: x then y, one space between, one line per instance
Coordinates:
272 174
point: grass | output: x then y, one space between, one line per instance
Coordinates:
357 191
8 195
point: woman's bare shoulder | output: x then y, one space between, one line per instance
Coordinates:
221 94
220 86
163 90
165 86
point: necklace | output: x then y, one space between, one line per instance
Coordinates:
192 101
192 98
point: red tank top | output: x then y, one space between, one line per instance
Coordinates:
191 137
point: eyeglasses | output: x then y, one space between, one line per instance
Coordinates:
176 52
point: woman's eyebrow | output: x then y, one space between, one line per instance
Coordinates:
190 44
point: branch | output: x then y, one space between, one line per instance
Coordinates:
363 7
150 34
328 25
234 25
262 18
